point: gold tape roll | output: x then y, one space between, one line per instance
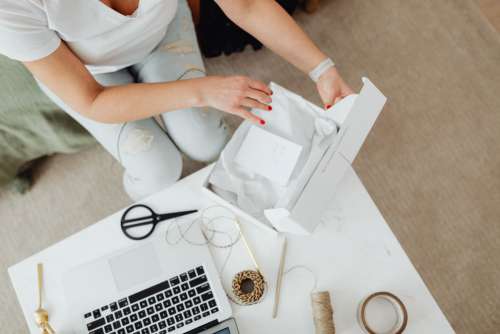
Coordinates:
398 305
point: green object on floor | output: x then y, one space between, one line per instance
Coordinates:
31 126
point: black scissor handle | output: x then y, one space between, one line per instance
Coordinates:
126 224
153 219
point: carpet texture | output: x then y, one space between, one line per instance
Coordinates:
431 163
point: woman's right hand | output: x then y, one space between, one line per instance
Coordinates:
236 95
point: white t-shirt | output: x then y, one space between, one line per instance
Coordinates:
102 38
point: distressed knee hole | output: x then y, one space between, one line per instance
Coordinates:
191 71
138 140
181 46
192 67
222 124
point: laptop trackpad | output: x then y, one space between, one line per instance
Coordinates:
135 266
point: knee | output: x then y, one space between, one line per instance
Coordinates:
210 142
150 159
161 171
201 135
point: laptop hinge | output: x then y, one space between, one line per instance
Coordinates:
203 327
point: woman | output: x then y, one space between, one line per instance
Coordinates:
114 64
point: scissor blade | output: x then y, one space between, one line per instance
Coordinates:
176 214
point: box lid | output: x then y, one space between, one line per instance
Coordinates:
320 189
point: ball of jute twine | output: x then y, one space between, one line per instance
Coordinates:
322 312
248 287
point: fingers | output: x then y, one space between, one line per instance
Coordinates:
347 91
338 96
258 95
242 112
251 103
331 100
255 84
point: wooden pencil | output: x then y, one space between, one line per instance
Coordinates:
279 279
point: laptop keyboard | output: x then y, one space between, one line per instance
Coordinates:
162 308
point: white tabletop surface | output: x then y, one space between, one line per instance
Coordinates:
353 253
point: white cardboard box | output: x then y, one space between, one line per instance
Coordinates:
355 119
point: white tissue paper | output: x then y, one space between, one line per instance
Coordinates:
294 119
268 155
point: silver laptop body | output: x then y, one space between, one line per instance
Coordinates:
150 287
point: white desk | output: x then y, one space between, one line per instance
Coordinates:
353 253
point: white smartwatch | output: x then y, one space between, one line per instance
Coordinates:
320 69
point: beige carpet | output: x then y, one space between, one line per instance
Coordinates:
432 162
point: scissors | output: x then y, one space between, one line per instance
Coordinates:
141 225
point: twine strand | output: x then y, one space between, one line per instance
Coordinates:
313 275
321 304
241 281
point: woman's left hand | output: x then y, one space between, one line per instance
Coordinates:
332 88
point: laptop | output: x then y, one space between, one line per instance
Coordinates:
151 287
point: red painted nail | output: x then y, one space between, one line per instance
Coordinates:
262 122
328 106
271 93
269 108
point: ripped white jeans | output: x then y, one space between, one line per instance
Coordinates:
150 156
